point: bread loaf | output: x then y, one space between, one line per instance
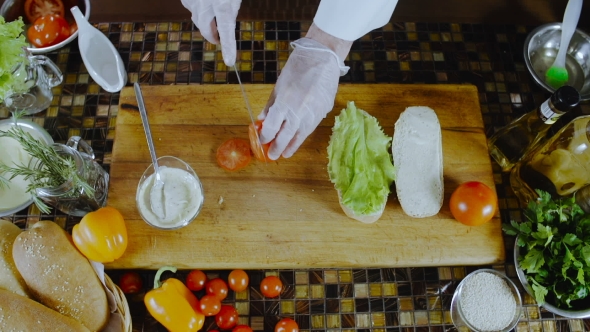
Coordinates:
10 278
418 160
18 313
59 276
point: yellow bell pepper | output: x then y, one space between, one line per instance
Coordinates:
173 305
101 235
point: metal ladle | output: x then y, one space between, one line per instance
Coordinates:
156 193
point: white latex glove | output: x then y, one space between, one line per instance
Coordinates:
303 95
216 19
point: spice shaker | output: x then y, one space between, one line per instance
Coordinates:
511 143
560 165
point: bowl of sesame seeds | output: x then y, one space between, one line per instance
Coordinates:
486 300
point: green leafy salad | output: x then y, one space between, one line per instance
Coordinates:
12 42
360 165
554 243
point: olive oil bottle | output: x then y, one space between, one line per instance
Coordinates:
511 143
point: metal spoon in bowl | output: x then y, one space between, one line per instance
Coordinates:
156 193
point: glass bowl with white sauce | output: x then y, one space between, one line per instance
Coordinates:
181 197
486 300
15 197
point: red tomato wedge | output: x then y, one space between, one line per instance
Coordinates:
259 151
234 154
37 8
48 30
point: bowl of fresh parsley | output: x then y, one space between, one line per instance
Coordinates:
552 254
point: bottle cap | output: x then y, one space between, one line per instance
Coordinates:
565 98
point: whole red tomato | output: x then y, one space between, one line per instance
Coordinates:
242 328
48 30
227 317
473 203
238 280
287 325
130 282
271 286
217 287
196 280
210 305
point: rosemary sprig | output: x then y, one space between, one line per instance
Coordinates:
50 168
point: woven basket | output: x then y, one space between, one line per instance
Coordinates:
121 301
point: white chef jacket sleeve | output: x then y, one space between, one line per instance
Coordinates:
351 19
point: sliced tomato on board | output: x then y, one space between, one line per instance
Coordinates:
260 151
48 30
234 154
37 8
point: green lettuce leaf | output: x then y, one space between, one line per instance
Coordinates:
360 165
12 42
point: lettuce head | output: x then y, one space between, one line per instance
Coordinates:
12 42
359 162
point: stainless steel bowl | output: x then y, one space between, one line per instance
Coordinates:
578 314
12 9
540 50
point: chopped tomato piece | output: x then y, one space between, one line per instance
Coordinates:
260 150
37 8
234 154
48 30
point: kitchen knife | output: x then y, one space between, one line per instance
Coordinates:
250 112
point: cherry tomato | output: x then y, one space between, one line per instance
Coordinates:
217 287
209 305
130 282
234 154
227 317
271 286
238 280
473 203
242 328
48 30
37 8
196 280
287 325
260 151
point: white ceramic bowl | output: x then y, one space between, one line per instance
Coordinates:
12 9
457 315
18 187
189 194
571 313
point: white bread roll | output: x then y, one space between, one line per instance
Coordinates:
367 219
18 313
418 160
59 276
10 278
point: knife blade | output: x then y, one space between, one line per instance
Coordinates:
250 112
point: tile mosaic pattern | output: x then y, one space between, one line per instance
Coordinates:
401 299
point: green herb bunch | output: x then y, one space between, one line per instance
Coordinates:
555 249
49 169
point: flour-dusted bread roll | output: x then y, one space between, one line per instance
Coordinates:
10 278
417 156
18 313
364 218
59 276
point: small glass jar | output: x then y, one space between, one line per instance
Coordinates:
560 166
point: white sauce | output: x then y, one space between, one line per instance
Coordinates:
12 154
177 204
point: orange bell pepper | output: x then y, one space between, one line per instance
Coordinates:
101 235
173 305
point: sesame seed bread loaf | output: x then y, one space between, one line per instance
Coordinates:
59 276
18 313
417 156
10 278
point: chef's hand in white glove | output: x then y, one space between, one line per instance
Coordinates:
304 93
216 19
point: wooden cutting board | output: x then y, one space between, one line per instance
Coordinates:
285 214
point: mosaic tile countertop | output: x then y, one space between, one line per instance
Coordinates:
400 299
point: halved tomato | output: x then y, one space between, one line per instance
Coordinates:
260 150
37 8
234 154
